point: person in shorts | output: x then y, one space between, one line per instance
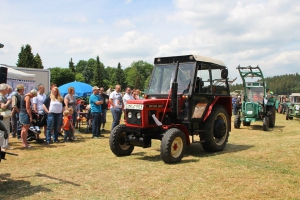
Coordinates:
25 116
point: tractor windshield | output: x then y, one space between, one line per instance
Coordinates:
163 76
254 94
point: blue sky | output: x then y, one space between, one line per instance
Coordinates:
246 32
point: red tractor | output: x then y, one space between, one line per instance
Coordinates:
187 96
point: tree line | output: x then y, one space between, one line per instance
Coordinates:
281 84
92 71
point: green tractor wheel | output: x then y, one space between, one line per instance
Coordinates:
272 116
287 114
266 122
237 121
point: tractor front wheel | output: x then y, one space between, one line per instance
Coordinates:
266 123
287 114
216 129
173 146
237 121
272 116
117 141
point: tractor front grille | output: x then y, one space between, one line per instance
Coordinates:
133 119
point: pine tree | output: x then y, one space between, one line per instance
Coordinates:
71 66
26 58
119 77
99 74
38 62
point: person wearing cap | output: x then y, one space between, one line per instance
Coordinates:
26 115
96 111
16 104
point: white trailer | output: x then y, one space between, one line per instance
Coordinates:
42 76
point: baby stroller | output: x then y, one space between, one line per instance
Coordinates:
34 129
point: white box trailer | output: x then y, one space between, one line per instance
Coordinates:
42 76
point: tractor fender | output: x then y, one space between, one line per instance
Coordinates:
224 101
180 127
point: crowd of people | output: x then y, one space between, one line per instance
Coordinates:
58 116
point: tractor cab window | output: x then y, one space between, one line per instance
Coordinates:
214 84
163 77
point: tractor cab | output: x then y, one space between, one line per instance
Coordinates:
293 109
198 81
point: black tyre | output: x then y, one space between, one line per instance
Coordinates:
287 114
246 123
266 122
283 110
272 116
173 146
216 130
237 121
117 142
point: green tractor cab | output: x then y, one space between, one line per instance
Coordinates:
256 104
293 109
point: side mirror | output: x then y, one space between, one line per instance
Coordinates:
224 73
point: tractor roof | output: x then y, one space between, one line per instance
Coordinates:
295 95
187 58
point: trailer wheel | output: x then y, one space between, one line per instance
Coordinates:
272 116
237 121
216 130
117 142
173 146
246 123
266 122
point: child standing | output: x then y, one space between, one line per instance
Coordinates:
66 124
72 135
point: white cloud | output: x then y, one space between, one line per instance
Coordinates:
124 23
77 19
128 1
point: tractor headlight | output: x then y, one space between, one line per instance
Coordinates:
129 114
138 115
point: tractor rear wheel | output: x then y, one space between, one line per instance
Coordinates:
246 123
117 141
237 121
272 116
266 123
216 130
173 146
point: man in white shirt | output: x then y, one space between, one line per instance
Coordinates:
127 96
116 105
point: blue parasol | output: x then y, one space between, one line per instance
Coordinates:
81 89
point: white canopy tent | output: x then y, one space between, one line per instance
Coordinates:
15 77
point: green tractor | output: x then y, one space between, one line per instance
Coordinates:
256 104
293 110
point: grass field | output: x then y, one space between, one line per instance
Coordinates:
254 165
